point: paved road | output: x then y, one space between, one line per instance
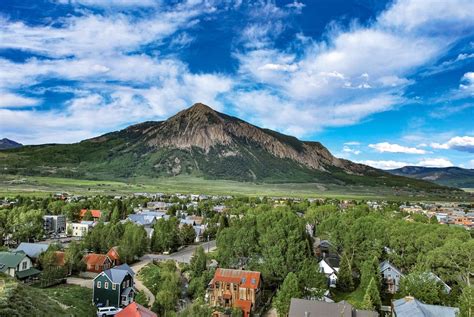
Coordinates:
183 255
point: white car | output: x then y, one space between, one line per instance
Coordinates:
107 311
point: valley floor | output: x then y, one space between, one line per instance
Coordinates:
42 186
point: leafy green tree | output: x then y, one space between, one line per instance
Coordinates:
466 302
423 287
311 280
288 290
369 270
115 217
187 234
197 309
133 244
165 235
345 281
141 299
73 257
87 216
198 262
372 296
168 294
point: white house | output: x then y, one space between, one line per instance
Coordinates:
79 229
330 267
17 264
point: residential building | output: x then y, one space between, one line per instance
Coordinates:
114 287
79 229
391 276
411 307
114 256
235 288
54 224
96 214
32 250
330 267
314 308
17 264
135 310
96 263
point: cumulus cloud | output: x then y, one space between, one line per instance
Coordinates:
348 149
9 100
391 164
395 148
459 143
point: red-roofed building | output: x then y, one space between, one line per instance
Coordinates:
95 214
135 310
235 288
59 258
97 262
114 256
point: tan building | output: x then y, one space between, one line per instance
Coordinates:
235 288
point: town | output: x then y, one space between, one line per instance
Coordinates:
156 254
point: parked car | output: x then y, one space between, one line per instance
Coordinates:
107 311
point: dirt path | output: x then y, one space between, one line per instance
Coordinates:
80 281
139 285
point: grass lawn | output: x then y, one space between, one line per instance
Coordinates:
74 299
42 186
355 298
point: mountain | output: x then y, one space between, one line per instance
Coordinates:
9 144
448 176
198 141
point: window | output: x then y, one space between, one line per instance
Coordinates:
228 286
98 284
24 265
217 285
114 286
106 285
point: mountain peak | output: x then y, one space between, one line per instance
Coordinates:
9 144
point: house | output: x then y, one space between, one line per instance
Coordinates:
446 287
96 263
323 248
135 310
330 267
411 307
235 288
314 308
18 264
54 224
96 214
114 256
32 250
147 218
114 287
391 276
79 229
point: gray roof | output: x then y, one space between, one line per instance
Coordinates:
411 307
314 308
33 250
386 264
118 273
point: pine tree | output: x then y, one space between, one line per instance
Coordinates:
372 296
345 280
288 290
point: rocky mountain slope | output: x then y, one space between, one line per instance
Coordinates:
448 176
9 144
201 142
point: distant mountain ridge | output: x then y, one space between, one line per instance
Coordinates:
448 176
9 144
199 141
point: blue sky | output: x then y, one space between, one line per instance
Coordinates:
386 83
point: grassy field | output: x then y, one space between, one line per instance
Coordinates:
42 186
75 300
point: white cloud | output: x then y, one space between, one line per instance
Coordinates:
435 162
9 100
112 3
347 149
459 143
385 165
467 82
390 164
352 143
395 148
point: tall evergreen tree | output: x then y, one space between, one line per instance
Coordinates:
288 290
372 296
345 281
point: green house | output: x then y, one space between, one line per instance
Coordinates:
17 264
114 287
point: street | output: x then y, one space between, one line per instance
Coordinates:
182 256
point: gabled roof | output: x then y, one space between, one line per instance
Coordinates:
10 259
27 273
33 250
411 307
113 253
94 212
386 264
315 308
95 259
135 310
118 273
246 279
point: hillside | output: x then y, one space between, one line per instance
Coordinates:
447 176
200 142
9 144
